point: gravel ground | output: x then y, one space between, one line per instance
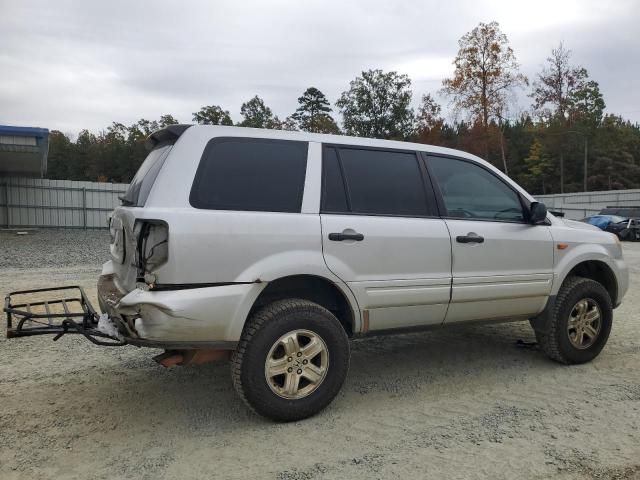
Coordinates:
459 403
53 248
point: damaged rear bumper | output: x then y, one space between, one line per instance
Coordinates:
209 318
193 318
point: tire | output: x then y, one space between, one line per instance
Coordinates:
561 342
265 336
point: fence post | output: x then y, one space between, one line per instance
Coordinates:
84 207
6 200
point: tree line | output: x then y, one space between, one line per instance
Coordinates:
562 142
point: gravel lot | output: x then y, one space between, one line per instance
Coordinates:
463 403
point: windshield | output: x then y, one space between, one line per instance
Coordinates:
142 182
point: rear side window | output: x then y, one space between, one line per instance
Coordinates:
372 182
251 174
139 188
334 196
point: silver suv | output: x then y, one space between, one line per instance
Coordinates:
280 246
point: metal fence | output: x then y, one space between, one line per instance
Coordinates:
579 205
27 202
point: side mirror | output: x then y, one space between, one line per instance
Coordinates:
537 212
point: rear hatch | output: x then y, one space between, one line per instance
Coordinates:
138 243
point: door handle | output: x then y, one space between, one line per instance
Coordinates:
470 238
339 237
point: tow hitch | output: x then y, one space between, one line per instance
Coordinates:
66 310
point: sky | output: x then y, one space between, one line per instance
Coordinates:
69 65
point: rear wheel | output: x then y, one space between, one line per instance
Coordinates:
291 360
581 322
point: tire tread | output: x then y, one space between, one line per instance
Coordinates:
254 324
550 342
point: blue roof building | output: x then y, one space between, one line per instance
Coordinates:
23 151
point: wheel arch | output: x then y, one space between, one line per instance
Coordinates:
598 271
321 290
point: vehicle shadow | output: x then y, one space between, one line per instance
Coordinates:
202 398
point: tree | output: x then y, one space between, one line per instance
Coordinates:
166 120
564 91
429 113
212 115
313 113
547 153
326 124
289 124
552 88
539 163
257 115
429 121
146 127
615 154
486 72
564 94
586 104
377 105
61 155
85 151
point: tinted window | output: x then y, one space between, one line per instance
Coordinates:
470 191
378 182
334 197
140 186
251 174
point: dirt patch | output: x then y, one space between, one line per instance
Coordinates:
458 403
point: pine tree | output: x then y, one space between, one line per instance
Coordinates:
313 113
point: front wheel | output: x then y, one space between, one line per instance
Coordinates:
581 322
291 360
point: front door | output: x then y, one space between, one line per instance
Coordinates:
502 265
381 235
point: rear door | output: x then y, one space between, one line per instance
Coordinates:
382 236
502 265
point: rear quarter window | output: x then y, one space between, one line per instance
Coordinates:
140 186
250 174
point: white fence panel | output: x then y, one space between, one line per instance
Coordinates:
28 202
579 205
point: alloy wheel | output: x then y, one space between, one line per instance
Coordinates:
296 364
585 323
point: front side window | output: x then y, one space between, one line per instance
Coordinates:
469 191
372 182
251 174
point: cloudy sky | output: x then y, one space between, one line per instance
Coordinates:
69 65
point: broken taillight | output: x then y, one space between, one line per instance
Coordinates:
152 246
117 240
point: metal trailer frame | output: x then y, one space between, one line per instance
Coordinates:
79 317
